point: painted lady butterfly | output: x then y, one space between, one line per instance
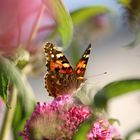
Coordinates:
61 78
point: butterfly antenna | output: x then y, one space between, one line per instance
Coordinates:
91 76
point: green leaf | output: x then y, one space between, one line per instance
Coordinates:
112 121
25 102
125 3
84 14
20 116
115 89
63 20
3 86
10 71
75 55
84 128
136 130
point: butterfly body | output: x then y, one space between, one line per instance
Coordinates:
61 78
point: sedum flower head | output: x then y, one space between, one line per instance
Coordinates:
103 130
55 121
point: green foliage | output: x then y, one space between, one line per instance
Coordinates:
11 72
83 14
124 2
25 101
65 23
81 134
3 86
115 89
75 55
112 121
63 20
21 115
136 130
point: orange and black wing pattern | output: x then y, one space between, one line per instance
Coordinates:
59 74
60 78
82 64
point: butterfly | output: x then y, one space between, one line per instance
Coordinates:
61 78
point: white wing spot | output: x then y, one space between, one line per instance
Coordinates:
66 65
87 56
52 55
84 55
59 55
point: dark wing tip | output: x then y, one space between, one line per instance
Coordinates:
89 46
88 49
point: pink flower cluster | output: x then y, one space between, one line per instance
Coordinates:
102 130
57 120
74 117
60 119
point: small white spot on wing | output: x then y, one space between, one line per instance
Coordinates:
59 48
59 55
87 56
52 55
50 52
66 65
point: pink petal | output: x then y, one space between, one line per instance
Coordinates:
18 18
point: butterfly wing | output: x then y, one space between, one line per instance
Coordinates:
60 78
81 65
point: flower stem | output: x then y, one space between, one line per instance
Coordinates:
8 118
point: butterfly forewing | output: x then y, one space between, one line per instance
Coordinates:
60 75
55 60
82 63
